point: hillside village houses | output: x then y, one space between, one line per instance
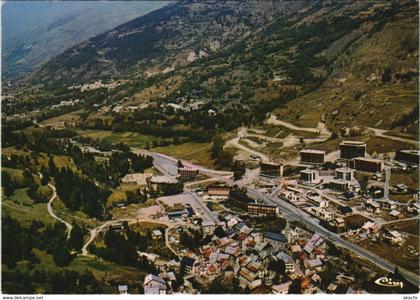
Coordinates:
332 196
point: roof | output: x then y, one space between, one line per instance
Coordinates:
295 248
178 213
275 236
162 179
313 263
284 287
152 277
312 151
395 234
247 274
353 143
207 223
309 171
344 169
270 163
122 288
368 159
394 213
156 232
284 257
345 209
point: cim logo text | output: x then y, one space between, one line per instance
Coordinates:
389 282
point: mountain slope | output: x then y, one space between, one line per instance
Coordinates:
36 31
350 63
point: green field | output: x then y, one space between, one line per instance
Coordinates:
26 214
20 196
132 139
198 153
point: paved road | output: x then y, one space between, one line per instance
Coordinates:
207 213
51 211
382 133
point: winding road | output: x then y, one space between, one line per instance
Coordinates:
51 211
382 133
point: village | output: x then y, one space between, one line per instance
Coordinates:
249 247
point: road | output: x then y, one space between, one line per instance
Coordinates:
382 133
235 143
291 212
51 211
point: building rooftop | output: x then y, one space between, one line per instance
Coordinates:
270 163
309 171
353 143
417 152
152 277
312 151
275 236
368 159
162 179
344 170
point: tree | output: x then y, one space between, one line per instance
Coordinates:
179 163
76 237
52 167
61 256
387 75
8 184
238 169
217 147
28 178
294 287
364 183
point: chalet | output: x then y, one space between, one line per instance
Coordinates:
400 188
413 208
154 285
312 263
208 227
396 214
156 234
123 289
370 227
387 204
338 223
276 240
345 210
393 237
248 278
372 206
281 288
